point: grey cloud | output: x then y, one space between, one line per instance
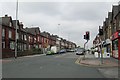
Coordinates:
75 18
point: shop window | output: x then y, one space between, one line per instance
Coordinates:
115 44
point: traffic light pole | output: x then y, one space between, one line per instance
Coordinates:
84 49
101 49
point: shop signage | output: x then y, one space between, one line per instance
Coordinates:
119 34
115 35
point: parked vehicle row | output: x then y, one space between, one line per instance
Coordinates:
57 50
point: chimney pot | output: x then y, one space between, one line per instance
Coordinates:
6 15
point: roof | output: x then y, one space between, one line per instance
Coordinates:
115 10
45 34
33 31
110 16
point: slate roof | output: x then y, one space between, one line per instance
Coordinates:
110 16
115 10
34 30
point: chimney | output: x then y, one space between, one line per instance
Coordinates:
6 15
21 25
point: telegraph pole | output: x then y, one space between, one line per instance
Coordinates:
16 30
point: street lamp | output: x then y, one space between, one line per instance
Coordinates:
59 36
16 30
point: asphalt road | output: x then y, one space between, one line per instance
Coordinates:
51 66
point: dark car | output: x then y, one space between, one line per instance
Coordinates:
80 51
62 51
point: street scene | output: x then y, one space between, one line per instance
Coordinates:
64 39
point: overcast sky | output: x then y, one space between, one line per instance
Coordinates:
75 18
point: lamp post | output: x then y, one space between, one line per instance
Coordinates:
59 36
16 30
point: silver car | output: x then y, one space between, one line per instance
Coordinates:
80 51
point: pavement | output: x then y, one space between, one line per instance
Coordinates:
91 61
109 68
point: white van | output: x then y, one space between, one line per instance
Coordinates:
54 49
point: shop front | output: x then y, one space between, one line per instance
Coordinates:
116 45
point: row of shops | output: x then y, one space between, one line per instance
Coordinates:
113 45
110 39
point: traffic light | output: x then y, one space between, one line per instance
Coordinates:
100 31
87 35
84 36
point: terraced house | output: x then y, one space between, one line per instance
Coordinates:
8 36
29 40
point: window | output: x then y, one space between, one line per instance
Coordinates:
25 37
25 46
115 44
12 46
38 38
3 32
29 47
10 34
17 35
10 24
3 44
39 46
29 38
21 36
34 39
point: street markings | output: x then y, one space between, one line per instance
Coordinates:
78 60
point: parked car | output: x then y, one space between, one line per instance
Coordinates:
70 50
62 51
49 53
80 51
